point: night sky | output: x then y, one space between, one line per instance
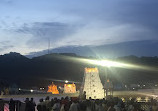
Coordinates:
27 25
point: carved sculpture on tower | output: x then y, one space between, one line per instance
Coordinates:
92 84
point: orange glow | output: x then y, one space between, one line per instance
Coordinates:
88 70
69 85
53 89
69 88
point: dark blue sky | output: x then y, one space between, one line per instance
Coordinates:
27 25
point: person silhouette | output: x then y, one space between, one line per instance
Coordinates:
11 105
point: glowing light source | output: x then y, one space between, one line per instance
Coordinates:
123 99
147 99
106 63
66 81
31 90
110 63
139 99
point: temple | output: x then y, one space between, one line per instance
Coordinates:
92 84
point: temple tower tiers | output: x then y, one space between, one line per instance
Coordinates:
92 84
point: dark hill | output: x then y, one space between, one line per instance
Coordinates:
28 72
13 65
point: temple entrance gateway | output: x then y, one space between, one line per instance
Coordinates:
92 84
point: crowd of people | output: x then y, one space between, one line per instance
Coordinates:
75 104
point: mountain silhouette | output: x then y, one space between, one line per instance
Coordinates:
16 68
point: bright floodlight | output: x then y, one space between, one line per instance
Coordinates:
66 81
31 90
110 63
107 63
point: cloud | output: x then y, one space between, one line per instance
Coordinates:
4 42
142 13
4 48
5 45
43 31
80 22
93 34
6 1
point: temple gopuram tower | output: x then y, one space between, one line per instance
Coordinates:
53 89
92 84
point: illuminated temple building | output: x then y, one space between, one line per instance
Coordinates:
69 88
53 89
92 84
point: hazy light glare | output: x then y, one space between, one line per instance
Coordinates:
109 63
